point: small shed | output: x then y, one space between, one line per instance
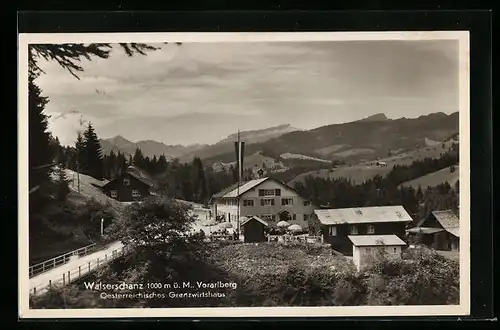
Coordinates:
253 229
367 248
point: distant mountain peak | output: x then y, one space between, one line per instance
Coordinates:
119 140
376 117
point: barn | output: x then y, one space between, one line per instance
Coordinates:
253 229
439 230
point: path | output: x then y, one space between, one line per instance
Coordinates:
77 268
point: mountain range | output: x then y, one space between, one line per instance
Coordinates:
186 153
368 138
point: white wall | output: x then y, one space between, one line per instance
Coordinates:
363 255
297 208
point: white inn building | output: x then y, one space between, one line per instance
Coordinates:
266 198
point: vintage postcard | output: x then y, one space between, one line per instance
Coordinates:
244 174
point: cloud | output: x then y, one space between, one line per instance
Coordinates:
225 86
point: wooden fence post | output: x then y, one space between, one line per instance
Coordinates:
105 257
97 262
89 266
69 272
64 279
79 271
50 283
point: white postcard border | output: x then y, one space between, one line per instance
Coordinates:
53 38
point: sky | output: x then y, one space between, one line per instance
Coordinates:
203 92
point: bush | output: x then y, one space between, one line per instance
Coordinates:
422 277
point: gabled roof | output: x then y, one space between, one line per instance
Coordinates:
244 187
447 219
374 240
137 173
372 214
140 175
254 218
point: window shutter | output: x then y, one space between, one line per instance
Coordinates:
277 192
261 193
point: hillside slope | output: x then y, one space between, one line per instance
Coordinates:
435 178
366 170
364 139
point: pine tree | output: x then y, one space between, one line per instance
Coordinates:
80 153
138 159
162 164
62 183
40 152
93 153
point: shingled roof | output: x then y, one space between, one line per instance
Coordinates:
449 221
140 175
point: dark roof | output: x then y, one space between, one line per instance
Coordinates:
244 222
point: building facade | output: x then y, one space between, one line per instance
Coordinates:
338 224
133 185
369 248
266 198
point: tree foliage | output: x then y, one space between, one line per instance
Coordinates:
69 56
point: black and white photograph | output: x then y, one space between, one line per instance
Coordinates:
226 174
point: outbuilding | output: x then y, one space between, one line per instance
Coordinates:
439 230
253 229
367 248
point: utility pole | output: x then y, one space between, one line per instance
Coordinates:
239 164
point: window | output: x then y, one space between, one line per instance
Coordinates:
395 250
332 230
114 193
306 217
294 217
248 202
126 182
268 217
277 192
136 193
353 230
287 201
307 203
370 229
267 192
267 201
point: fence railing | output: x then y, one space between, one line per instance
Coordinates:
67 277
59 260
295 238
